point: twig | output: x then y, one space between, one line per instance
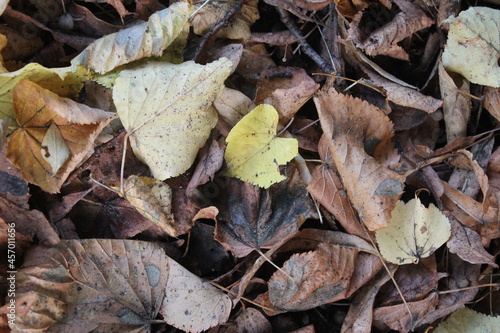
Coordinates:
304 45
208 39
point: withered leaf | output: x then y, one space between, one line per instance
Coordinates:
251 218
37 109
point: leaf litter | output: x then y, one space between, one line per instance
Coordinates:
102 208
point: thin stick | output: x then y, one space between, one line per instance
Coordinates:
304 45
243 298
275 266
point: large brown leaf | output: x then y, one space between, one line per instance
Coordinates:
55 135
360 145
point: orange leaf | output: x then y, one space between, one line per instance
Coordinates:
37 109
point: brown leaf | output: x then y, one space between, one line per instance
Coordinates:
252 218
285 88
250 320
492 101
384 39
327 188
396 316
80 286
362 151
36 110
467 244
233 105
317 277
349 8
456 103
405 96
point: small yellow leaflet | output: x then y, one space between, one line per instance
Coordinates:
254 153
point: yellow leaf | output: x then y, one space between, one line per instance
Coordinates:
414 232
30 147
473 46
144 40
465 320
152 198
254 153
58 80
166 110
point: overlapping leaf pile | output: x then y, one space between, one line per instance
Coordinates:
159 159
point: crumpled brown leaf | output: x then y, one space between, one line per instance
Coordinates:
363 154
384 40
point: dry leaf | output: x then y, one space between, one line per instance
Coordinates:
465 320
166 110
117 4
492 101
414 232
232 105
58 80
361 148
254 152
285 88
144 40
456 103
210 13
153 199
473 46
251 218
92 284
384 39
250 320
38 109
192 304
403 95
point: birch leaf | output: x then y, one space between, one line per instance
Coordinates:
144 40
166 110
414 232
254 153
473 46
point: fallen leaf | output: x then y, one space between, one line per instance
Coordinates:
210 13
396 317
251 218
465 320
233 105
61 81
414 232
254 153
91 284
383 41
349 8
166 111
285 88
456 103
466 243
192 304
151 38
249 320
492 101
37 109
472 49
153 199
360 145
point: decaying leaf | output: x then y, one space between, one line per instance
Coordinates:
254 153
473 46
166 110
384 39
465 320
153 199
37 111
414 232
192 304
144 40
210 13
360 145
111 286
251 218
232 105
92 284
285 88
61 81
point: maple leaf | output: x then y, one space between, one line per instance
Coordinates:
55 134
254 153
